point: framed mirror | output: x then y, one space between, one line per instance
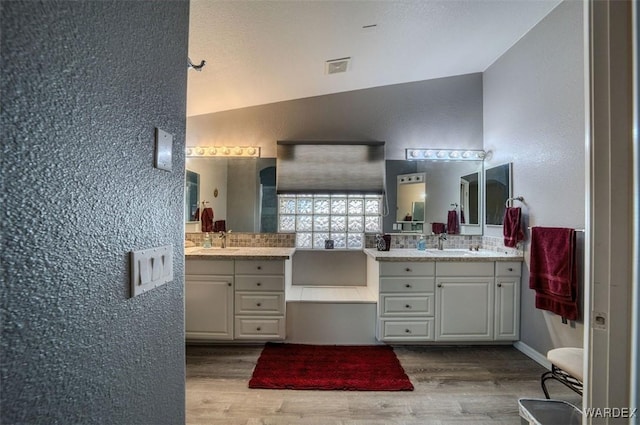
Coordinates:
442 193
191 196
497 190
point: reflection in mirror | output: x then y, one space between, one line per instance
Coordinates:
241 191
442 183
191 200
411 194
497 191
470 199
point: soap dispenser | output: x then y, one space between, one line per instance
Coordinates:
207 240
422 244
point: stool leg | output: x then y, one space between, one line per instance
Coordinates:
543 379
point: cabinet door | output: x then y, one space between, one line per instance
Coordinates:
507 311
209 307
464 309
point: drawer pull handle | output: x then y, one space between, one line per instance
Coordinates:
258 329
439 285
259 267
499 285
510 269
407 286
258 284
407 269
228 283
258 304
407 331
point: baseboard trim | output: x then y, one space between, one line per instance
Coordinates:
532 354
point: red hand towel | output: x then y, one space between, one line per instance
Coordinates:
206 220
452 223
220 226
437 228
512 227
553 270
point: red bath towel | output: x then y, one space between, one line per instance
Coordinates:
512 227
553 270
206 220
453 227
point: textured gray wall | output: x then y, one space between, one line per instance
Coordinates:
83 86
534 117
439 113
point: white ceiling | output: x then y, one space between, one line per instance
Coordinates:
265 51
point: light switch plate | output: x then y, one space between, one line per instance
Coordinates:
151 268
164 147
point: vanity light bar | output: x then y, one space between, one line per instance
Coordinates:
223 151
444 154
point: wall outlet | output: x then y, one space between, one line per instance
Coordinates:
151 268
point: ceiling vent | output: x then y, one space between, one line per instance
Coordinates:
336 66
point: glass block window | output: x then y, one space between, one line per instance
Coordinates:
342 218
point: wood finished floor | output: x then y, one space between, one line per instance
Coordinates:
453 385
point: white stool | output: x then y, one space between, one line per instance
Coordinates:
566 367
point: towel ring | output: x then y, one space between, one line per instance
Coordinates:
517 198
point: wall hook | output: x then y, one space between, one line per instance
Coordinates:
196 67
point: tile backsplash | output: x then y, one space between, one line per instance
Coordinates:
274 240
398 241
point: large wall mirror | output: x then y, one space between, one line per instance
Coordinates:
497 192
242 191
442 187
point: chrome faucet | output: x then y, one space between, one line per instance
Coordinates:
441 238
223 237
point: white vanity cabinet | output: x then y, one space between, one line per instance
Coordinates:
260 300
209 299
406 304
507 301
447 301
465 301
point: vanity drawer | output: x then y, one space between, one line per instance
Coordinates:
457 268
508 268
407 284
260 267
219 267
259 328
393 305
259 283
407 330
259 303
390 268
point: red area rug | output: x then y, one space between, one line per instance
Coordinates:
329 367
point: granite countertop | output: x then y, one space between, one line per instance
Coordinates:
241 253
441 255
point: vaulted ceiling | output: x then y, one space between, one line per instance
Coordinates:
265 51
